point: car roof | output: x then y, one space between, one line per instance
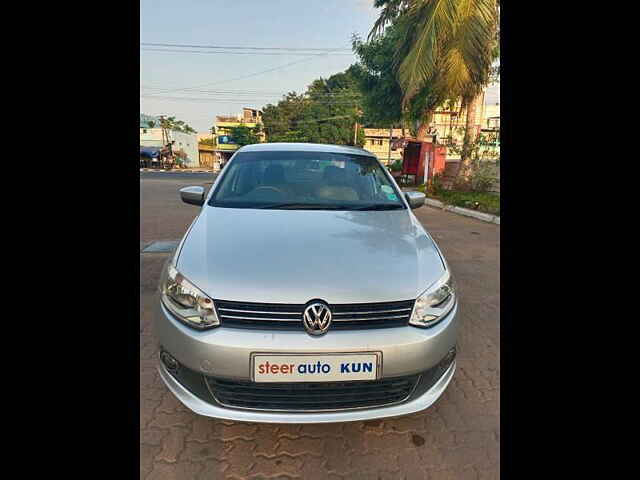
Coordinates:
304 147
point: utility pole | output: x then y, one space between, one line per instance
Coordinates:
390 139
213 146
161 157
355 128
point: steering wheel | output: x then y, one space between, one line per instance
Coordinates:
268 187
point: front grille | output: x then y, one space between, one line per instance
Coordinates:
311 396
289 317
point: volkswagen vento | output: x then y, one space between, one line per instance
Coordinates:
306 291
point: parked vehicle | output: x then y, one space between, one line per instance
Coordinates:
149 157
306 291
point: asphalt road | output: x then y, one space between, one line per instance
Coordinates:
457 438
163 216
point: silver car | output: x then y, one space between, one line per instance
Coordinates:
306 291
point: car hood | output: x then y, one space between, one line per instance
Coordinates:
293 256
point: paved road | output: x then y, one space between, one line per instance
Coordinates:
457 438
163 216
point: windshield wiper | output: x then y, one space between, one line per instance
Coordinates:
304 206
380 206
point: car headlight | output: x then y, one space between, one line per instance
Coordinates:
187 302
434 303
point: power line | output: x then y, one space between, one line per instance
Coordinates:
159 87
161 50
337 92
249 75
238 100
293 49
321 119
263 94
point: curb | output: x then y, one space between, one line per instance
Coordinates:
175 171
485 217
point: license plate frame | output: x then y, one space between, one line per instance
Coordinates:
377 357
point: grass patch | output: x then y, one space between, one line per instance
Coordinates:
488 202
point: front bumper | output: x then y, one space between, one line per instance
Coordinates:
226 352
216 411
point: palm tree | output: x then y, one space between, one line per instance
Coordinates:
448 45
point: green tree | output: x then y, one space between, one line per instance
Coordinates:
279 120
449 45
170 123
326 113
244 135
382 95
333 110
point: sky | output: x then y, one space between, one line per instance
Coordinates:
217 80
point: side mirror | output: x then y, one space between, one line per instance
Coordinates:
415 199
192 195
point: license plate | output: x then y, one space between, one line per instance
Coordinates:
338 367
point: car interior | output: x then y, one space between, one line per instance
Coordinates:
302 181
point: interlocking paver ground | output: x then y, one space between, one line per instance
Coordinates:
457 438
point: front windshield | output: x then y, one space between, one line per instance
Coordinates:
305 181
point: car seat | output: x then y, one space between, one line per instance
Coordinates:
335 185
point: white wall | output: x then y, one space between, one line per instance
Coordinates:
152 137
188 143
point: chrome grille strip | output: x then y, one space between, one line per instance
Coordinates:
373 311
368 318
262 318
258 311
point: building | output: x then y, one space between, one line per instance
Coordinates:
225 144
151 135
490 129
451 123
202 136
207 156
377 142
251 115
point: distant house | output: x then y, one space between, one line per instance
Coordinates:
377 142
207 156
450 123
151 136
225 144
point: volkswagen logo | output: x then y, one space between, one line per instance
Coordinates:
317 318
